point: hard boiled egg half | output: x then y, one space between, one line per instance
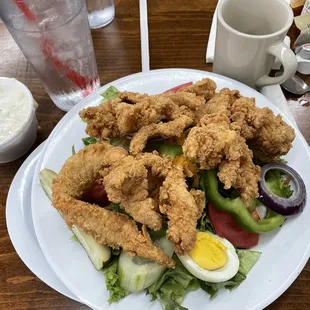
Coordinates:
213 259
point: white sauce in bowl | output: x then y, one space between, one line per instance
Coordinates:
15 110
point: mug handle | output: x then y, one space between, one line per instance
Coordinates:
288 60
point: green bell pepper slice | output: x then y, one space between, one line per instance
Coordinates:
209 184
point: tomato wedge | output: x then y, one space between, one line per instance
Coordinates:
175 89
225 226
96 194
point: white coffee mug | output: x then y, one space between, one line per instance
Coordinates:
250 35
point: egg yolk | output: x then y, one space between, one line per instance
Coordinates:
208 253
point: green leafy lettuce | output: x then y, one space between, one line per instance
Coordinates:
109 94
170 150
112 282
89 140
204 224
172 286
247 260
277 184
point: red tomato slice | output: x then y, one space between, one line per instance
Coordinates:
96 194
226 227
175 89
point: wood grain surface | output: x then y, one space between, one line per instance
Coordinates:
178 34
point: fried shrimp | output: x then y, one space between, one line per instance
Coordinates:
106 227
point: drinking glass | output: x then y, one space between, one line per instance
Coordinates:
100 12
54 36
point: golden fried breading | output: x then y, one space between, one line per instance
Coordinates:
182 210
204 88
101 120
246 118
173 128
127 185
215 144
240 174
219 104
270 137
107 227
129 112
130 118
273 140
182 207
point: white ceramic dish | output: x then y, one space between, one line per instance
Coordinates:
21 141
20 226
285 250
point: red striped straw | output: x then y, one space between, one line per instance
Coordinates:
49 51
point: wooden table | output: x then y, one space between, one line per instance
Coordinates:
178 33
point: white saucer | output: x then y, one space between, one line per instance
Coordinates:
20 225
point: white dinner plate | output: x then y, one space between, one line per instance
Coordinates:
20 226
285 251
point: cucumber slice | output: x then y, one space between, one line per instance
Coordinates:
99 254
136 273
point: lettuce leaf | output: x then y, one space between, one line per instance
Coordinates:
109 94
112 282
170 150
89 140
247 260
204 224
172 286
277 184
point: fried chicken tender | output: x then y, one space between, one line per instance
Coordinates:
269 136
204 88
106 227
127 185
214 144
219 105
170 129
182 210
101 120
182 207
130 111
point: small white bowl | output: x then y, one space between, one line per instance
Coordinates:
17 144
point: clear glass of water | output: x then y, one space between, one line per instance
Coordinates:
54 36
100 12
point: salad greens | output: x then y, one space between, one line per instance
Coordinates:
172 286
204 224
112 281
277 184
109 94
247 260
89 140
170 150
